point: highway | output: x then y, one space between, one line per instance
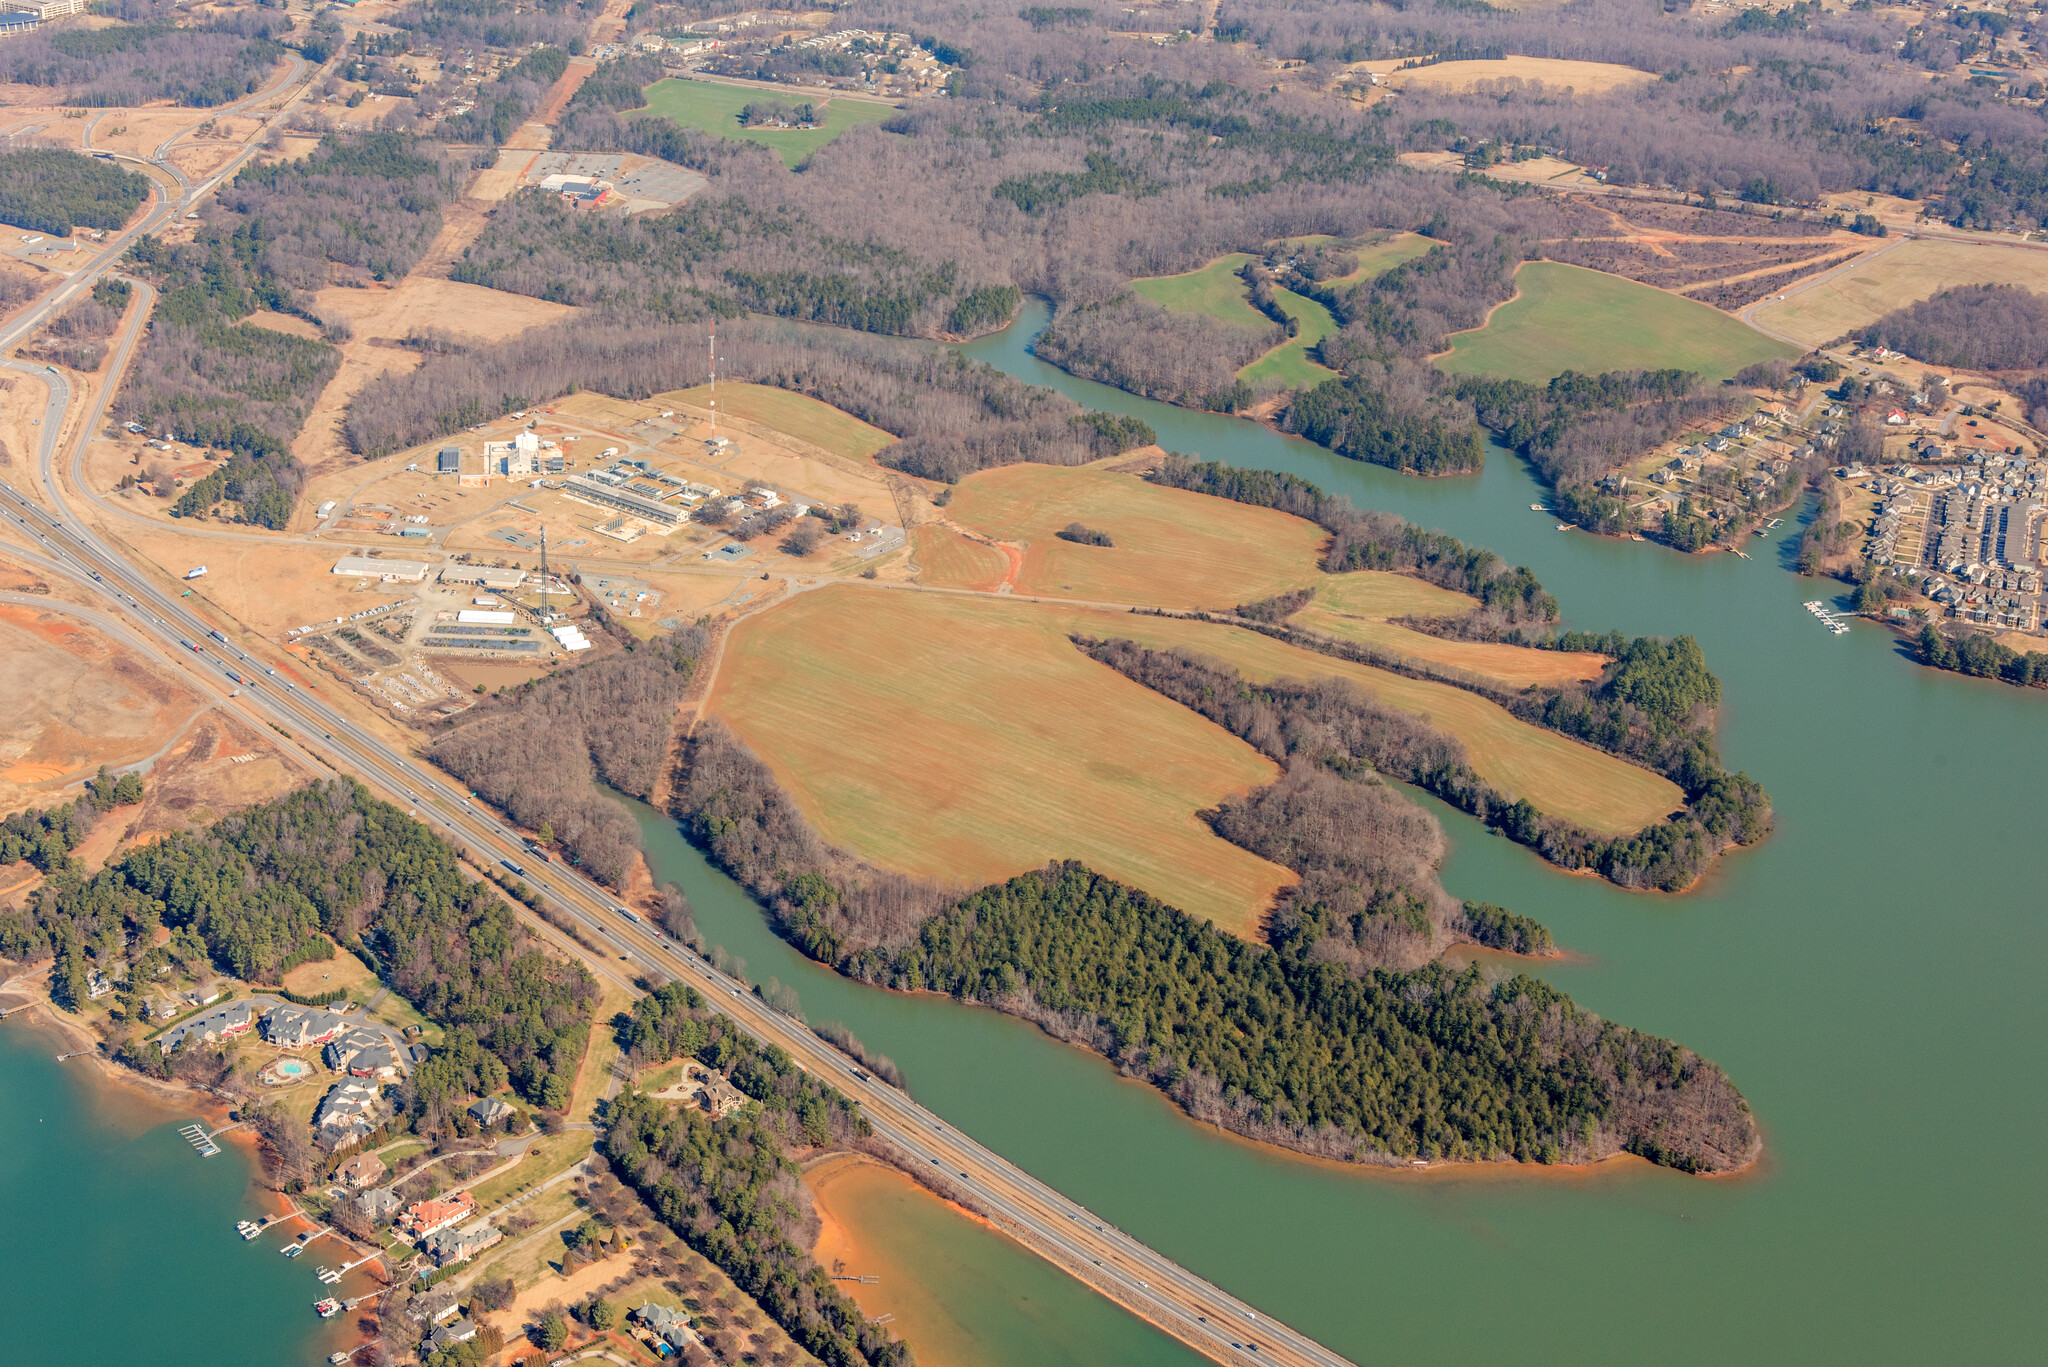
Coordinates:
234 672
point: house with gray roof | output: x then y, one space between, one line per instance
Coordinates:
223 1022
296 1027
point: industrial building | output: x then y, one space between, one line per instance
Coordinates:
488 576
391 571
44 10
449 462
625 501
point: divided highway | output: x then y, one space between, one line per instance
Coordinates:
1112 1262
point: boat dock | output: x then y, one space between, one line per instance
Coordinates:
195 1134
1828 619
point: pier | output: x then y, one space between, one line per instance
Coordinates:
1827 619
195 1134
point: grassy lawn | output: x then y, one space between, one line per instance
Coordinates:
1214 290
1288 364
966 739
1356 607
716 109
1570 318
1557 774
343 975
799 415
1173 548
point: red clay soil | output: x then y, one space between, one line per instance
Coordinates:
563 90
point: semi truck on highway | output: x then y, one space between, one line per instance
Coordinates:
218 637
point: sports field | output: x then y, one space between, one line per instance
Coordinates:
950 560
1356 606
799 415
716 109
1570 318
967 740
1288 364
1558 775
1895 277
1215 289
1173 548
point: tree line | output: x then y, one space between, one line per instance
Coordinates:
1975 327
953 416
124 65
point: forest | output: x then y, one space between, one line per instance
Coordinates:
1306 1043
953 416
1982 657
1976 327
49 190
78 336
124 65
729 1188
1366 421
260 889
539 752
1281 1045
1129 342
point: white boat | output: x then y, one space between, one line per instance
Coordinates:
1538 508
248 1229
292 1250
328 1308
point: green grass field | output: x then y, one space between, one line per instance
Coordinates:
1288 364
1214 290
1570 318
716 109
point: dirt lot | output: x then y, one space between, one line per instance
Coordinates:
968 740
1173 548
77 700
218 766
268 587
1896 277
21 408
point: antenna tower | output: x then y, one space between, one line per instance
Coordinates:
547 601
714 376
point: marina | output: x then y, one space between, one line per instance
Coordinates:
195 1134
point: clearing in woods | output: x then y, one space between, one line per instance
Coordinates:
1570 318
1356 607
1288 364
1215 289
1894 278
1558 775
332 978
716 109
966 740
1384 256
1173 548
1582 78
797 415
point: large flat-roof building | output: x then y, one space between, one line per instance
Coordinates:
661 514
490 576
44 9
397 571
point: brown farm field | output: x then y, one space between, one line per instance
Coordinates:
799 415
1174 548
1558 775
1895 277
1356 606
1583 78
951 560
966 740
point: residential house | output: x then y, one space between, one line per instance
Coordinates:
298 1027
450 1246
379 1203
460 1330
346 1114
363 1170
422 1218
712 1093
672 1327
363 1053
490 1111
221 1023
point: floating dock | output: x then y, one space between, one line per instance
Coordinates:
1827 618
195 1134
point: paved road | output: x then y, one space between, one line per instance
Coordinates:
1114 1263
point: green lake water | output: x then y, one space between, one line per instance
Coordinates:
117 1240
1870 978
